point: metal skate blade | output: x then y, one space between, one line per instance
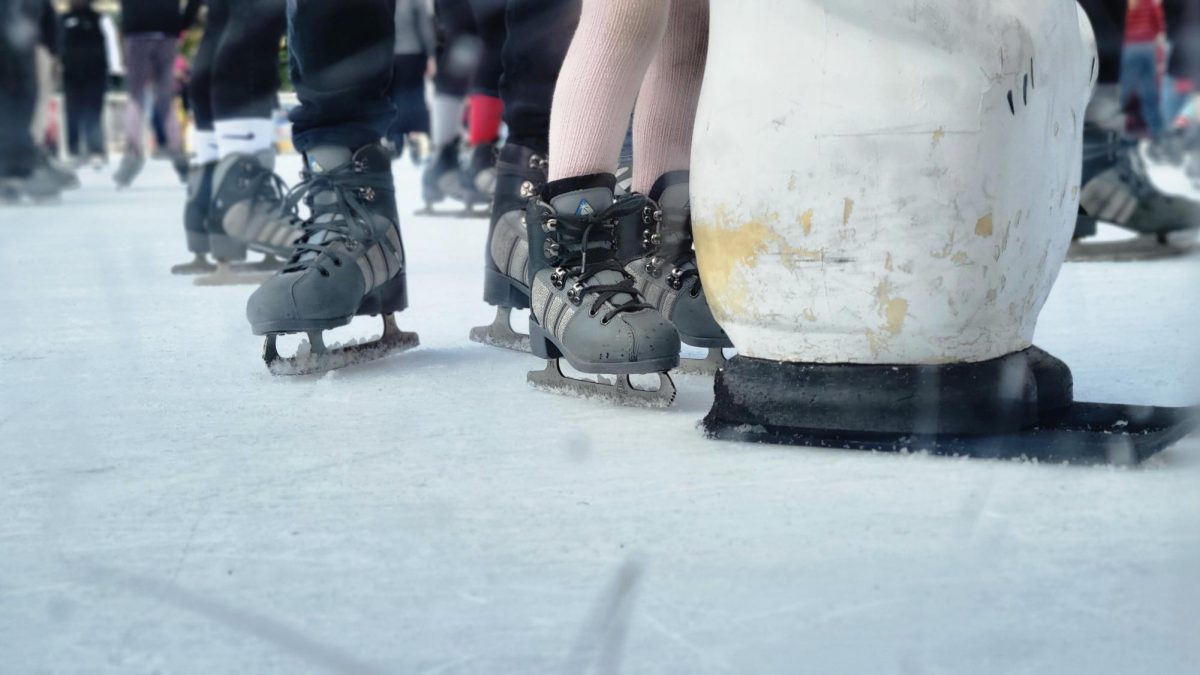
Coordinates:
500 333
707 366
620 392
228 275
1141 248
269 263
198 265
314 357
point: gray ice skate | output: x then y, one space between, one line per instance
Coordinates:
349 262
195 220
248 213
1118 190
520 176
585 308
129 168
41 187
666 274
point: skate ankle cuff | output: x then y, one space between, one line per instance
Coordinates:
564 185
667 180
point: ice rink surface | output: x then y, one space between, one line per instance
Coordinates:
167 506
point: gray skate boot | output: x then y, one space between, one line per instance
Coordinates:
520 176
585 308
248 213
656 247
129 168
349 262
1118 190
40 186
195 219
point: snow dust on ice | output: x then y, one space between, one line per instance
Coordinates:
169 507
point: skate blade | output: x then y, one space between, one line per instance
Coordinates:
621 392
1140 249
707 366
501 334
226 275
269 263
314 357
198 265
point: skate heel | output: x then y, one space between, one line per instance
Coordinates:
501 290
226 248
389 298
540 344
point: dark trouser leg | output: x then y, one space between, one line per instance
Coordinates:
341 64
458 48
92 124
164 52
73 102
489 25
18 98
408 95
540 32
246 63
202 65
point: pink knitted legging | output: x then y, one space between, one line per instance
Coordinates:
651 51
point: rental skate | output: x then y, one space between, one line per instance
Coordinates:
349 262
247 213
520 176
663 264
585 308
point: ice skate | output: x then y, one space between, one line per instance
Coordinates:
64 174
479 174
1117 190
195 220
442 179
349 262
248 213
585 309
40 187
665 271
128 170
520 176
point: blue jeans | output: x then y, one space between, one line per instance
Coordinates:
1139 75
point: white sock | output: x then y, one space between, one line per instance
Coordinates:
245 136
204 147
447 119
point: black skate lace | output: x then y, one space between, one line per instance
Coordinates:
352 223
587 246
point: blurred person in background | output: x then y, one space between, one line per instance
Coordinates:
21 172
85 70
1144 30
151 29
415 44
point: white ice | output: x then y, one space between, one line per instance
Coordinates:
167 506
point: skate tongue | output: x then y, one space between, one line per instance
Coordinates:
584 203
327 157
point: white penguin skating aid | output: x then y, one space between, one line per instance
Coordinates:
879 233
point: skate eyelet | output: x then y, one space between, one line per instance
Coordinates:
337 262
550 249
559 277
528 190
549 225
324 272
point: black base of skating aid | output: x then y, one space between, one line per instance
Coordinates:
1016 407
